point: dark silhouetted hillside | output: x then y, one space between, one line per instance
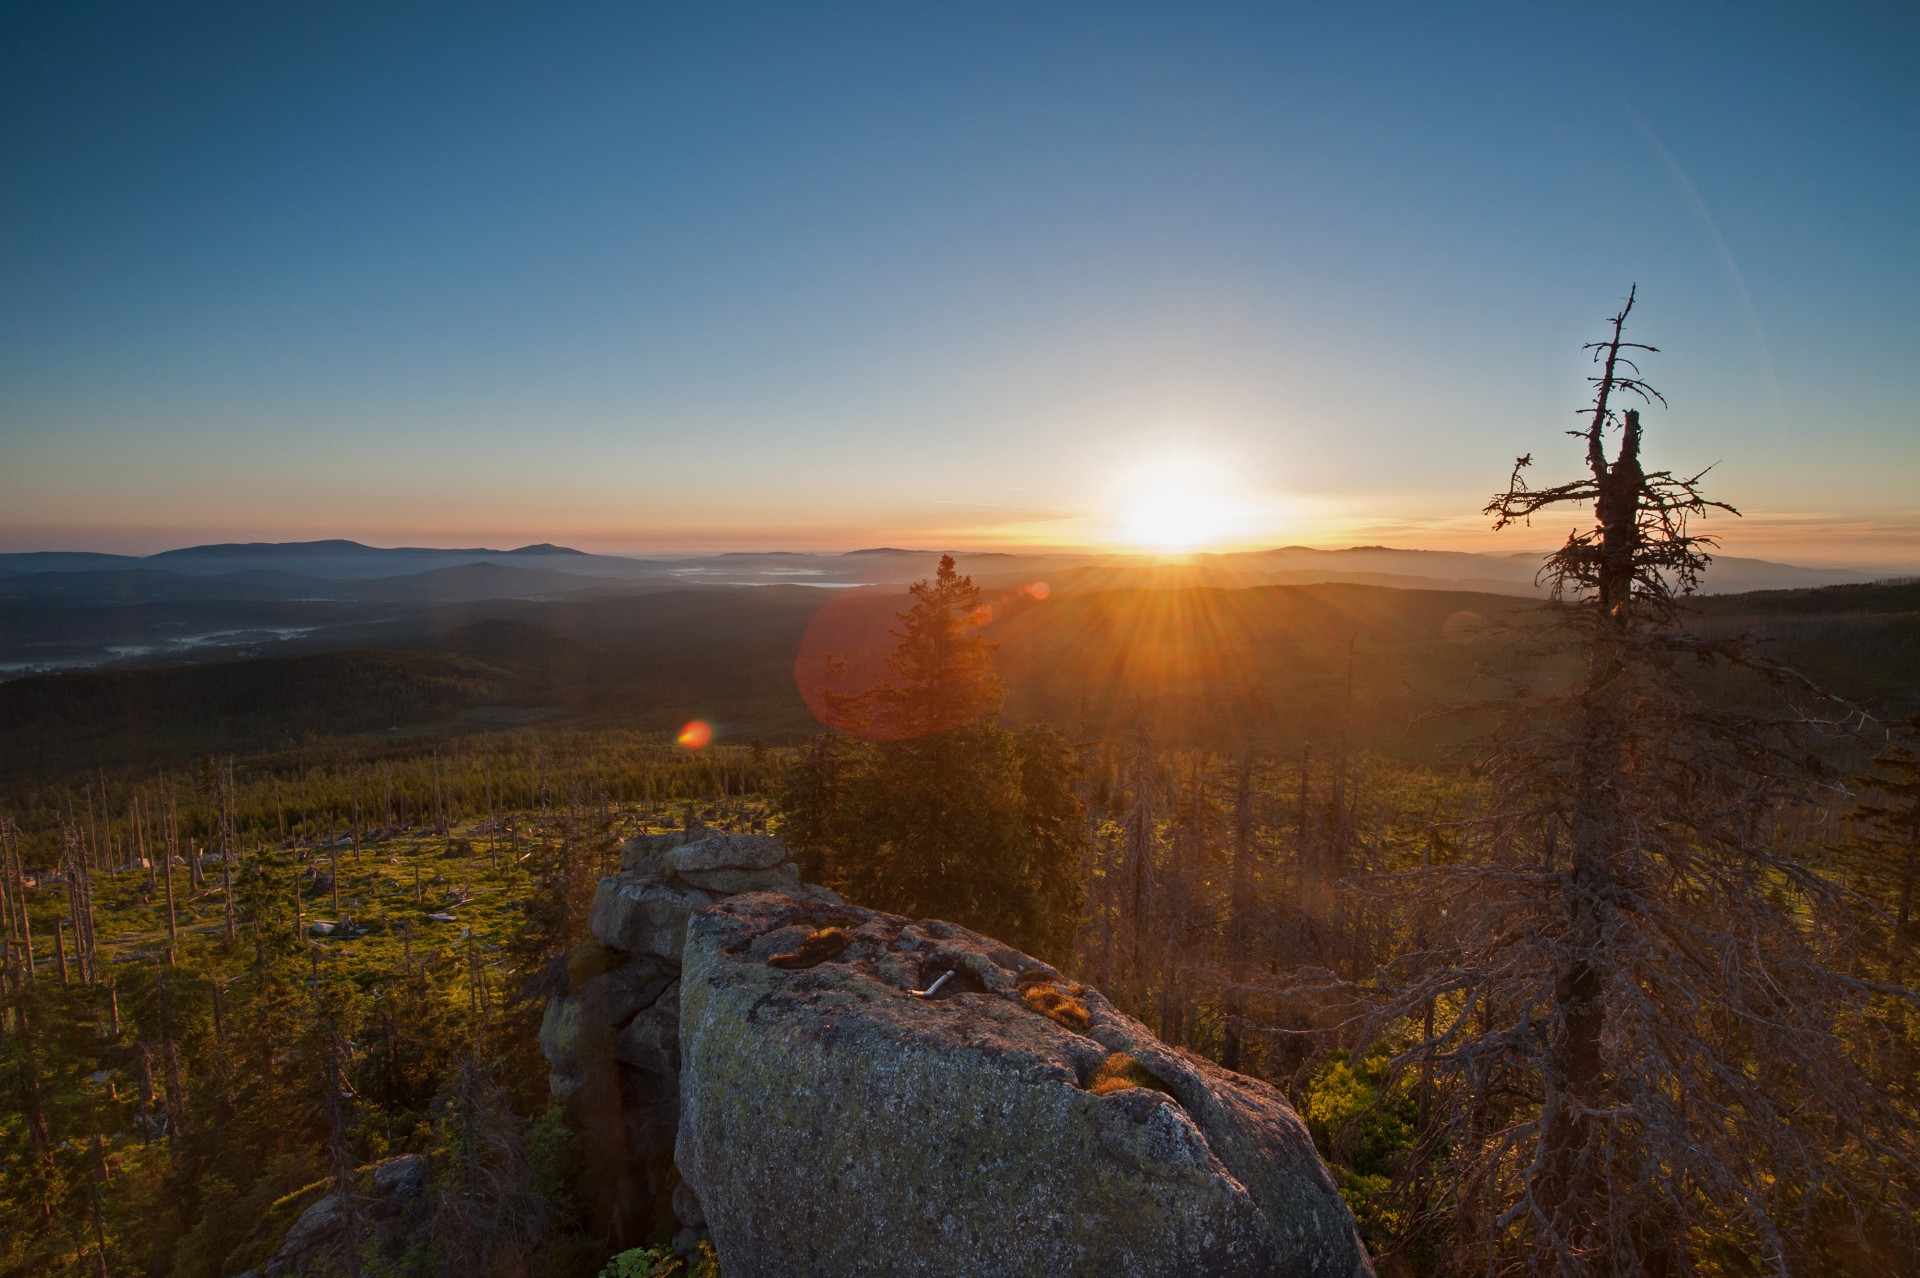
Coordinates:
51 722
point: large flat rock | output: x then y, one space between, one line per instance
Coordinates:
831 1123
718 851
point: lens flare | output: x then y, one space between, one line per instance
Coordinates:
1036 590
697 733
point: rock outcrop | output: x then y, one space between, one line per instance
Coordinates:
612 1040
833 1122
392 1206
770 1067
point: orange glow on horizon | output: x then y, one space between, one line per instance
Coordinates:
696 734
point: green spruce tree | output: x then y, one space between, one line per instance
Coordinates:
942 811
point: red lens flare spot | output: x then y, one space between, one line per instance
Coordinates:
1036 590
697 733
983 615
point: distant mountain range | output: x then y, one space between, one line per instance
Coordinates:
63 609
336 559
291 570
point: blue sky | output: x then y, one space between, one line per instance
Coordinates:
640 276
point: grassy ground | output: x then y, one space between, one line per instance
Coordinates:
90 1050
392 885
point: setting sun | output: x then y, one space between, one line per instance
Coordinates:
1178 520
1179 504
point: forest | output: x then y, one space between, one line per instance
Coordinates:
1580 932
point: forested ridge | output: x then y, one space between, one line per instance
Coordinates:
1200 665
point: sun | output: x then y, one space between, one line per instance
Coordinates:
1178 505
1176 520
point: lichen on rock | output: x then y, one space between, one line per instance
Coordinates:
831 1111
830 1122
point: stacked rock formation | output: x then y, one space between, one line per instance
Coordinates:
825 1089
612 1038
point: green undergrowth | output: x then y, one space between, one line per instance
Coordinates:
662 1262
202 1062
1364 1123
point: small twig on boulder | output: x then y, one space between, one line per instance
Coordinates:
934 988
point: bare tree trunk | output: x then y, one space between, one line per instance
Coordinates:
8 894
342 1156
478 999
144 1058
33 1107
229 839
140 839
26 918
73 863
1574 1074
88 918
1239 905
1303 837
1903 918
175 1089
93 849
15 866
1172 1011
1140 837
99 1225
167 856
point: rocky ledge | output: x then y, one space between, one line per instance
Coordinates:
837 1119
825 1089
611 1039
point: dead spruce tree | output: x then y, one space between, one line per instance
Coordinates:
1632 995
